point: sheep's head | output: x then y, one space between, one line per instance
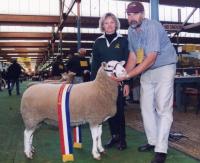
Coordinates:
115 67
68 76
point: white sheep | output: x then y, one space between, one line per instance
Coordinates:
91 102
65 78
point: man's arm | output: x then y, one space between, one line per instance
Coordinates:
129 66
147 62
131 62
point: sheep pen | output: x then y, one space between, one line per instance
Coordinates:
88 103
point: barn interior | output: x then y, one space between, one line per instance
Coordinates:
36 32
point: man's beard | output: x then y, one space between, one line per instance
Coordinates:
135 24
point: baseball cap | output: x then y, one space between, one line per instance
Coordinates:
135 7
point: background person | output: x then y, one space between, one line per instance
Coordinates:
58 68
80 65
13 73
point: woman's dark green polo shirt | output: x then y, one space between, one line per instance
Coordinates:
103 51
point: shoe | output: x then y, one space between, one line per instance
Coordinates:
114 140
136 101
159 158
130 101
121 145
9 92
146 148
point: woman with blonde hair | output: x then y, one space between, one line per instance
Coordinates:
112 46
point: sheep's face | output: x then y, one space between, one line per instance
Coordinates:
115 67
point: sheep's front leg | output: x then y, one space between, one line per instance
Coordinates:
28 139
99 142
94 132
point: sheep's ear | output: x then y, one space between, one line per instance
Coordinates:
64 74
71 73
122 63
103 64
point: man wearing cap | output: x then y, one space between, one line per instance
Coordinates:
155 59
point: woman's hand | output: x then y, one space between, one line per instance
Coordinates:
126 90
119 79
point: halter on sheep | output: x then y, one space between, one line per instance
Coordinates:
116 68
37 108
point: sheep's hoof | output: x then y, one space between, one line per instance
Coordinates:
29 155
33 149
103 152
97 157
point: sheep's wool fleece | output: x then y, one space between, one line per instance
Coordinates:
91 102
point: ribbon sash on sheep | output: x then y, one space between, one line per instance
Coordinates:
64 125
77 137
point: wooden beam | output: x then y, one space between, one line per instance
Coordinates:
24 36
186 40
23 44
22 50
21 55
31 20
36 54
183 3
191 27
86 22
45 36
35 20
39 45
66 36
